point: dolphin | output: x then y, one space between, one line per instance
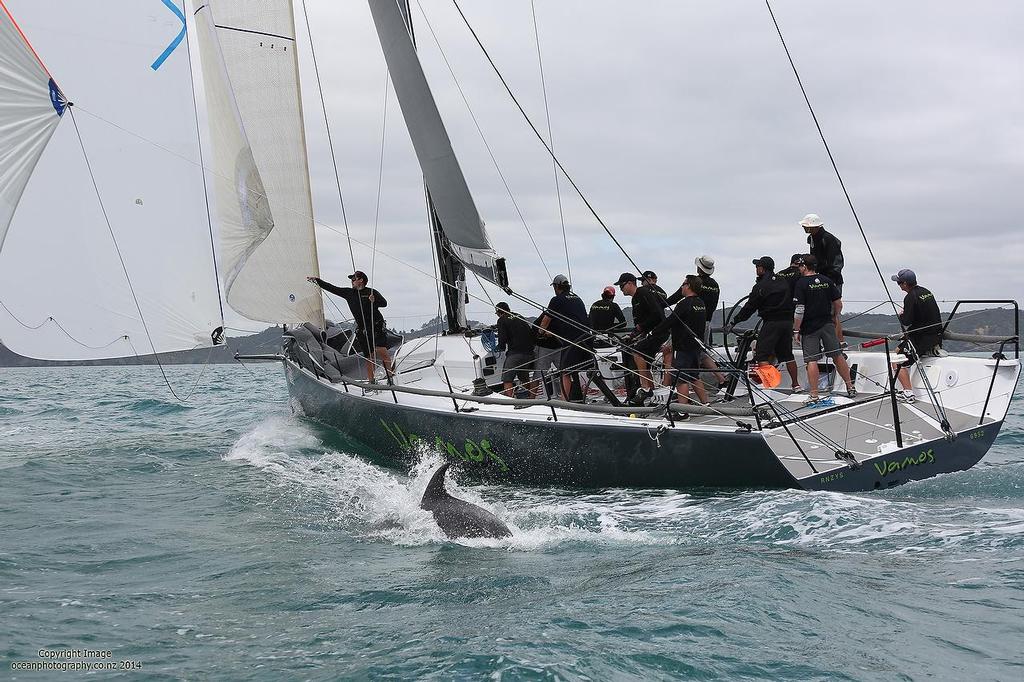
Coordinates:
458 518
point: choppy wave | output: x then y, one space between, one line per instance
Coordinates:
374 503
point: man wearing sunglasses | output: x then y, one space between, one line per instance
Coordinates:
371 331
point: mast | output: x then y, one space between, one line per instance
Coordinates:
450 269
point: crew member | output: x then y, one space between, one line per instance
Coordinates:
772 300
650 281
566 319
686 324
371 332
818 305
828 251
605 313
648 313
923 324
790 275
710 294
515 337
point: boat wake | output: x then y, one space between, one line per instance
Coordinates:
341 491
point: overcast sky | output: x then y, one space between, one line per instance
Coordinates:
681 121
684 125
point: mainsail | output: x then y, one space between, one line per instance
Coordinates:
453 202
261 176
72 288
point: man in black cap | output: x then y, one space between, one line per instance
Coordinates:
371 331
923 324
566 319
650 281
515 337
648 313
772 300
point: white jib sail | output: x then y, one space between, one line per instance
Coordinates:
30 108
125 65
441 171
267 240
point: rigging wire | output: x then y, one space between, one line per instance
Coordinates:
376 212
551 138
832 160
330 139
483 138
540 137
124 266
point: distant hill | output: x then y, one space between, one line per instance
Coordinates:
989 322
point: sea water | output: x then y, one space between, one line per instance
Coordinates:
226 538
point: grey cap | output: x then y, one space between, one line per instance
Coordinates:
905 276
559 280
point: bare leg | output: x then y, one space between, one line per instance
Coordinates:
566 385
707 363
508 389
698 388
812 379
381 353
666 358
793 376
646 382
844 369
683 393
904 377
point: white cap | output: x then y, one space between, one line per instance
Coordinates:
705 264
811 220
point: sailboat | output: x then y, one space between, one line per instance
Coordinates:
240 212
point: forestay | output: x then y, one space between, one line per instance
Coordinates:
125 65
260 170
441 171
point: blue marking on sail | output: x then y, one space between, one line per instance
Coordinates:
177 39
57 99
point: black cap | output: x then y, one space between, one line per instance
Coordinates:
625 277
795 258
359 274
650 274
765 262
808 260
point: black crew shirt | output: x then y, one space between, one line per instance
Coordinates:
363 311
686 323
815 293
709 293
828 250
770 297
790 275
921 312
648 309
606 315
515 335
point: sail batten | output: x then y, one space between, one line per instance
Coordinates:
442 173
262 189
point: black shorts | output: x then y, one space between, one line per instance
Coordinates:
650 346
686 365
775 340
366 340
913 356
575 359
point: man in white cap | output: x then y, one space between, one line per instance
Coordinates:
828 250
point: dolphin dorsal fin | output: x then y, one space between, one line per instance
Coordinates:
435 489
